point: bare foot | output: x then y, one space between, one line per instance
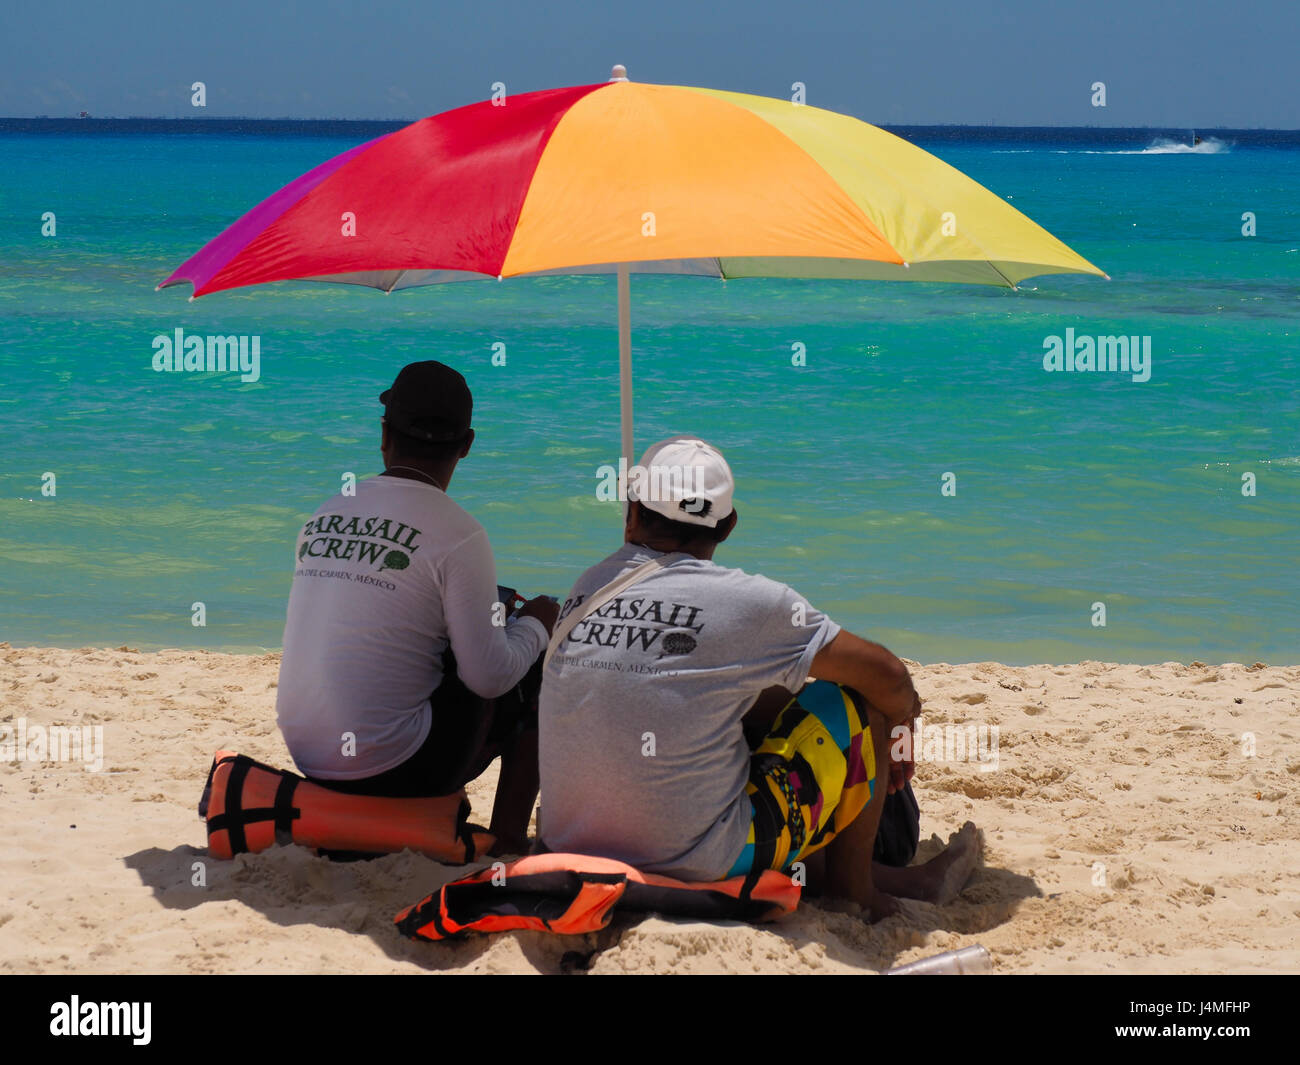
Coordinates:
958 861
941 879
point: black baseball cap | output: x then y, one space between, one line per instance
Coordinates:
429 401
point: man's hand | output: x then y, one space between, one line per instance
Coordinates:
901 770
543 608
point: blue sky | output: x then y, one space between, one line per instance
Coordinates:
1191 63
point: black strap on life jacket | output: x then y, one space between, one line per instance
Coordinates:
285 811
465 831
230 817
427 910
747 892
545 897
206 799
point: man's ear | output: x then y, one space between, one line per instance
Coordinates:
726 526
469 440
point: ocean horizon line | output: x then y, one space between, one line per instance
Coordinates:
60 122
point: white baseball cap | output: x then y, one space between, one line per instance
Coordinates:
683 479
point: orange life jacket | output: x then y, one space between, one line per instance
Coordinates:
250 807
572 893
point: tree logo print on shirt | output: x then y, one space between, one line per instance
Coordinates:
678 643
395 560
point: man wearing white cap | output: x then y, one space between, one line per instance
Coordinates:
660 664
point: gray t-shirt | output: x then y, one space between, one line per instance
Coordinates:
642 754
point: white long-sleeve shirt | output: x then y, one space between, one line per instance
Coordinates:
385 579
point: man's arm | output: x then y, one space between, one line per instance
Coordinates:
869 669
490 659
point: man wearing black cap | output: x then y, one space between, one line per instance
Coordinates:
401 675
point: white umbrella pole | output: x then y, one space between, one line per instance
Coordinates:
625 362
619 73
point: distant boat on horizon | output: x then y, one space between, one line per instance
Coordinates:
84 114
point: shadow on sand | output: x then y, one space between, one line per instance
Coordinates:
291 886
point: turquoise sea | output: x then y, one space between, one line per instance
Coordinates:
1071 489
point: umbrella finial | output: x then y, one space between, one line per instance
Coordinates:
619 73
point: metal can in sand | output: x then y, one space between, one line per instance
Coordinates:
966 961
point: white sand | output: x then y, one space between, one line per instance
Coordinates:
1139 770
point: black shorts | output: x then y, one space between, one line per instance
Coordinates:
467 733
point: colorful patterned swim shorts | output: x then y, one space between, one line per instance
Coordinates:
810 777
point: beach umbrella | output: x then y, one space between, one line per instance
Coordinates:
625 177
